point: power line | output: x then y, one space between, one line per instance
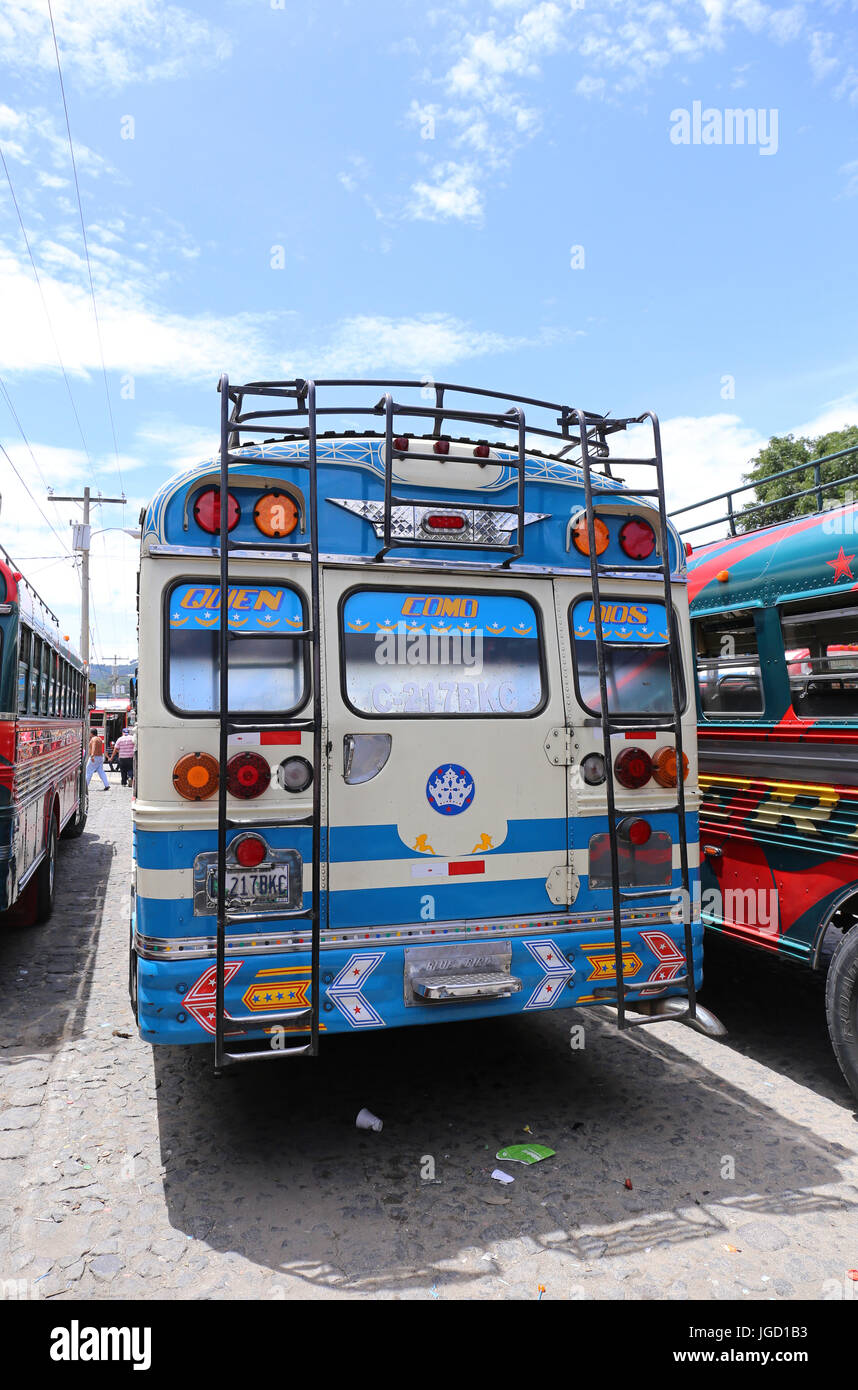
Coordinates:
45 305
14 415
33 500
86 250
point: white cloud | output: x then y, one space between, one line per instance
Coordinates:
422 344
106 44
451 193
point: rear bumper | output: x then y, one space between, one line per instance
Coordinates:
365 987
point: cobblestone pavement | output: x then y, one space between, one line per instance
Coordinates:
128 1172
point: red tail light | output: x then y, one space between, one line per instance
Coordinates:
637 539
249 851
633 768
207 510
444 522
247 775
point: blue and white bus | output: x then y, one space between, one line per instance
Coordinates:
439 760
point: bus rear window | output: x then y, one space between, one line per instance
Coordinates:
821 649
637 668
267 668
423 653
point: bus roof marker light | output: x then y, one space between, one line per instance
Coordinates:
275 514
637 538
581 538
207 511
722 576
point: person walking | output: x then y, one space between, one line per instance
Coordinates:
123 752
96 759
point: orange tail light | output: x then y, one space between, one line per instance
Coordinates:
664 767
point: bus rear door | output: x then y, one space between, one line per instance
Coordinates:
443 802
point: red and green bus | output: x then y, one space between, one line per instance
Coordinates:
43 746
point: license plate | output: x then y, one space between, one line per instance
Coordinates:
267 884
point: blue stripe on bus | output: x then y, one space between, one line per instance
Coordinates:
176 849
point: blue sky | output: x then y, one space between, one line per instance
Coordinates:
361 188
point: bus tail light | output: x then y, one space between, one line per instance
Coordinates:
634 831
247 775
581 537
633 768
195 776
207 511
664 767
637 538
249 851
593 769
295 774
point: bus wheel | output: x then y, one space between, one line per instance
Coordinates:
841 1006
46 877
78 820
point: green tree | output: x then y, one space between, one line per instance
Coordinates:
785 451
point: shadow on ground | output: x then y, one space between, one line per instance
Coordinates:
289 1183
46 971
774 1011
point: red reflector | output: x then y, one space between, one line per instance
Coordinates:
269 736
441 446
401 443
642 733
689 548
445 523
207 510
466 866
250 851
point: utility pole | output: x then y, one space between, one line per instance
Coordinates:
82 532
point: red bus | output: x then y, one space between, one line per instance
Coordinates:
43 746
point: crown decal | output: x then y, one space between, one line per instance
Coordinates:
451 790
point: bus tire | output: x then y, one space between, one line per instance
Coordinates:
46 875
132 981
76 825
841 1007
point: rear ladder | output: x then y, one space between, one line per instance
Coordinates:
230 1029
619 894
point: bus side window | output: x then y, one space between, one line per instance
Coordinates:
728 664
821 650
24 670
34 675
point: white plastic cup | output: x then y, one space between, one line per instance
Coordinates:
366 1120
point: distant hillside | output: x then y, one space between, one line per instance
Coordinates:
103 675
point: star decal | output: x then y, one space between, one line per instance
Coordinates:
841 566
